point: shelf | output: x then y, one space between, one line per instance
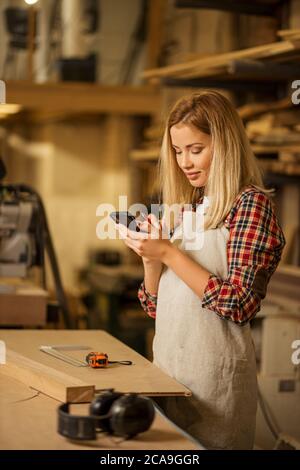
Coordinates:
152 153
225 82
260 149
243 7
264 63
279 167
268 165
143 155
84 98
252 110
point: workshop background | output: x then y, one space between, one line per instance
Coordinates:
87 89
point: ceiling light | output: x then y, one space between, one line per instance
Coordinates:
31 2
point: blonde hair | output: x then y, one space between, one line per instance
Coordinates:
233 166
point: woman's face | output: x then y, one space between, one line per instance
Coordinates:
193 150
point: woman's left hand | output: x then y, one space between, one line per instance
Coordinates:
151 244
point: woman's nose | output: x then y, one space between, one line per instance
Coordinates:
185 160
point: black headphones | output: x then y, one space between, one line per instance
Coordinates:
122 414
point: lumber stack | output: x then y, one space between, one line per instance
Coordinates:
228 64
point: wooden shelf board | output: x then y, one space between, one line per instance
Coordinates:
283 168
265 149
84 98
150 154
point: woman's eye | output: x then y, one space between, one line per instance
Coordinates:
194 151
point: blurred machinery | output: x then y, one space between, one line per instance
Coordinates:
278 415
25 238
19 230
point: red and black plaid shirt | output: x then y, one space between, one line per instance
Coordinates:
254 250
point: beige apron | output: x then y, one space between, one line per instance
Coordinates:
213 357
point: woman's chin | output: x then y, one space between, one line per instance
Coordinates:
198 182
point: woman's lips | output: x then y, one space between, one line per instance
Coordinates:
193 176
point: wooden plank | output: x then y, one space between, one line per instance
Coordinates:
51 382
156 29
275 166
219 71
151 154
261 149
198 66
29 422
289 34
76 384
84 98
250 110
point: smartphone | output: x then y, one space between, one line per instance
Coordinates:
125 218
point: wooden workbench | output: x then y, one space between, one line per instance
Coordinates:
29 421
68 383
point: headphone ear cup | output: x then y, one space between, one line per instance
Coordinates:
101 406
131 414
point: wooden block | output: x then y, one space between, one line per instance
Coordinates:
65 382
45 379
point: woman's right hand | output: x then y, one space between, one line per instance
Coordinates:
145 226
152 267
149 227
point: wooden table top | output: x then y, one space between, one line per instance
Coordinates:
29 422
66 382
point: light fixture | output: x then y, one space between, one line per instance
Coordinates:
31 2
9 108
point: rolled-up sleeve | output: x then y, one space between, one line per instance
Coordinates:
147 300
254 250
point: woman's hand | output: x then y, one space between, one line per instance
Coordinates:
151 244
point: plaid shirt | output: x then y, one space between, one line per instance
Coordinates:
254 250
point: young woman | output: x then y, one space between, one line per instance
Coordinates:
203 298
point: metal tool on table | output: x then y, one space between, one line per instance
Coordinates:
96 360
58 351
